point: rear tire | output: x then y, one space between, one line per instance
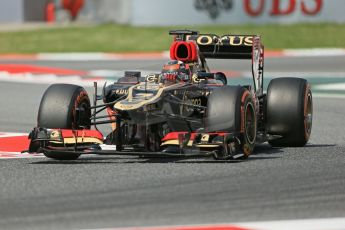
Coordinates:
64 106
231 109
289 111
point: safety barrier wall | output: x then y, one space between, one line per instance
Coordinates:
178 12
181 12
11 11
101 11
186 12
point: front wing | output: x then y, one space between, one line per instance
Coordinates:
174 144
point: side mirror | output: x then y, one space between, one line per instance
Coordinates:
221 77
205 75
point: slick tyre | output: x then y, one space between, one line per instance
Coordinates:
231 109
289 111
62 156
64 106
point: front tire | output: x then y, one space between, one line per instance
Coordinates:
64 106
289 111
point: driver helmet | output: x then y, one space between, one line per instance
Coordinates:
174 72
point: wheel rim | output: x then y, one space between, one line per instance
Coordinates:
308 113
249 125
84 115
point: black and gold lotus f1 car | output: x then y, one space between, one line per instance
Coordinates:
186 110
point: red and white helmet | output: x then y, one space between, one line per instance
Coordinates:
175 72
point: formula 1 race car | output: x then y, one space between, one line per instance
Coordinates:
183 111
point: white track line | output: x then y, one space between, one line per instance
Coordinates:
306 224
316 52
18 155
331 86
9 134
311 224
74 57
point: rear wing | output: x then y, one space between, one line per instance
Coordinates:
226 47
221 47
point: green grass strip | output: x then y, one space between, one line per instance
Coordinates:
123 38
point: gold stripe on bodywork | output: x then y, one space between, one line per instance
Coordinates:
120 106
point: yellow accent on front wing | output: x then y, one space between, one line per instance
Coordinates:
175 142
207 146
190 143
80 140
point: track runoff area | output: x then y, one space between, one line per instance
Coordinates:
39 69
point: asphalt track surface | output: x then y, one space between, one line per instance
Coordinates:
111 191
